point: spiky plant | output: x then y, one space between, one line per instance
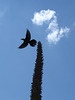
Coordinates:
36 89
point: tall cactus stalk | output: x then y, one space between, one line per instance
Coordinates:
36 89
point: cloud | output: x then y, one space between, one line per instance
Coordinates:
55 33
42 16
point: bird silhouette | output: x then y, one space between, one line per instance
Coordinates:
28 41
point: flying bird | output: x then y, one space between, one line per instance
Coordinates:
28 41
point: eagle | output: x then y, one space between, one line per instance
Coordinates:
27 40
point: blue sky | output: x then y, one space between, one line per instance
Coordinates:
16 65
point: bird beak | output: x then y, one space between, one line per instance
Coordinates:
22 39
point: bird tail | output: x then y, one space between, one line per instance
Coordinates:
33 42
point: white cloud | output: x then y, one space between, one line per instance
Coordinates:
42 16
55 33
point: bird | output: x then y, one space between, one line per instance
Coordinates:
27 41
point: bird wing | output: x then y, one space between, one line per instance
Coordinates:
33 42
28 35
23 45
